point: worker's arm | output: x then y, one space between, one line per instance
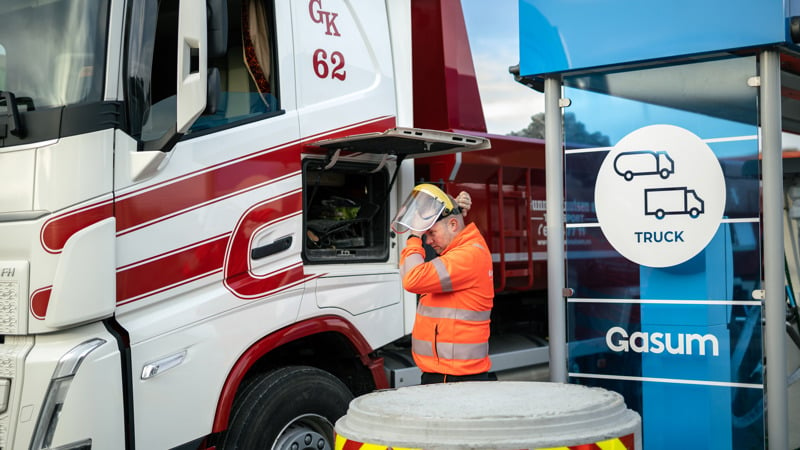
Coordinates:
412 255
451 272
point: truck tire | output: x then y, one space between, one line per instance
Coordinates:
288 408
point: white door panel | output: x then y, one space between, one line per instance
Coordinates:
358 294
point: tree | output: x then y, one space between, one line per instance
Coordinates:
535 129
575 134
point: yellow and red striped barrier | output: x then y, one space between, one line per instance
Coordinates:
620 443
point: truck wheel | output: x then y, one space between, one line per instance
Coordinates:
694 213
289 408
660 214
664 173
628 175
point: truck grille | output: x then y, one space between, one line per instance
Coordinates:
12 355
13 293
9 299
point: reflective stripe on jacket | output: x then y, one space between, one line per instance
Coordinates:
451 328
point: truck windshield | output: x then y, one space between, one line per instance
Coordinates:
52 52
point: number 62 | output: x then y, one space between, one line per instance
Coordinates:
322 64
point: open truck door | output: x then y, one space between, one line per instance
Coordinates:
327 179
397 144
407 142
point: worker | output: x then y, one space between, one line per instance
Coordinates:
450 338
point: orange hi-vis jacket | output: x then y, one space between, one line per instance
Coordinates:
451 329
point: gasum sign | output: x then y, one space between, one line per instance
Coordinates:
660 195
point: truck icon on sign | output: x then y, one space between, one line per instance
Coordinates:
644 162
660 202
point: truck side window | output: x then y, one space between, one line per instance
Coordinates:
151 68
345 217
247 73
248 81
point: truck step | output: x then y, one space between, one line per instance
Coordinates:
508 352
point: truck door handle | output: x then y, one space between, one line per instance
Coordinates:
277 246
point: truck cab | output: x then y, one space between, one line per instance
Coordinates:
194 217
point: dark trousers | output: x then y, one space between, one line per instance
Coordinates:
433 378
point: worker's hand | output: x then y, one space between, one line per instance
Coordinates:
464 202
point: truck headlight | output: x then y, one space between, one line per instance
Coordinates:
56 394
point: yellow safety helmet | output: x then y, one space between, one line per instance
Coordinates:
425 205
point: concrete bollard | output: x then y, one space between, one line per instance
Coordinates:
501 415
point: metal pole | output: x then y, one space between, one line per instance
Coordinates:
774 276
554 172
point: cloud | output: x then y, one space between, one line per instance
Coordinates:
494 38
507 105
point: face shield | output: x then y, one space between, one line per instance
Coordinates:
424 206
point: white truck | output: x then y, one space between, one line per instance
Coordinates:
195 200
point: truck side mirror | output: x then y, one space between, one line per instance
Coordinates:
217 11
214 88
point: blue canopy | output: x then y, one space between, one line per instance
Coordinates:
569 35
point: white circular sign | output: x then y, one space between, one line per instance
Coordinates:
660 195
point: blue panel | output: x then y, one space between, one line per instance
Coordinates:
707 276
681 343
565 35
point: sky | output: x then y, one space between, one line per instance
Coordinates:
493 32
